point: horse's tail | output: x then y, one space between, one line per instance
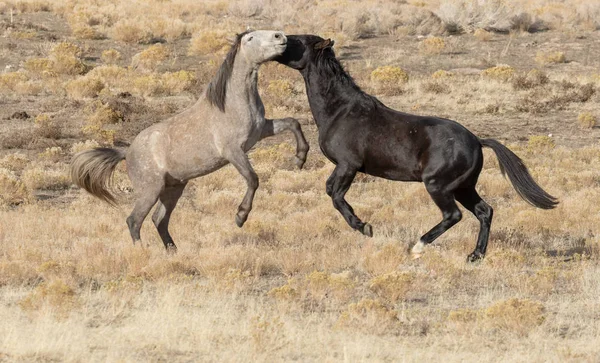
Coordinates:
522 181
92 170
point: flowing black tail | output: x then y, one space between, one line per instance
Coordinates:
522 181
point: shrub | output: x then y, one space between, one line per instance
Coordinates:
46 127
130 32
52 154
279 91
14 162
36 177
432 46
208 42
150 58
83 145
84 87
442 74
501 73
543 58
83 31
392 286
39 67
586 120
65 59
534 78
12 190
58 295
538 143
369 315
389 79
515 315
177 82
11 81
110 56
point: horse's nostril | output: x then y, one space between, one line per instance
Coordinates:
277 36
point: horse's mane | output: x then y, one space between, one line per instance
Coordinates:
330 68
217 88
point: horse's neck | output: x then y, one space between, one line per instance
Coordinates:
242 90
326 95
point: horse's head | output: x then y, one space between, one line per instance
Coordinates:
262 45
303 49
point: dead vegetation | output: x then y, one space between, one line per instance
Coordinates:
296 277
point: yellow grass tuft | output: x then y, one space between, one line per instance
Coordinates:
129 31
515 315
84 87
57 295
12 190
65 59
586 120
14 162
539 143
544 58
45 126
37 177
392 286
389 79
370 316
150 58
442 74
110 56
84 31
83 145
432 46
501 73
208 42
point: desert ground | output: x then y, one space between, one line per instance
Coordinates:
296 283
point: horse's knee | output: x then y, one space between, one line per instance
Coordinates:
484 213
253 182
453 217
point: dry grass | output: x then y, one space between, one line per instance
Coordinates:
296 283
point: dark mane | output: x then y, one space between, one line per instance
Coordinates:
217 88
331 69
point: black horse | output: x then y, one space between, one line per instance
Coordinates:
359 133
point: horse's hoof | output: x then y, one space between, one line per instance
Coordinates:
299 162
475 257
417 250
171 249
240 220
367 230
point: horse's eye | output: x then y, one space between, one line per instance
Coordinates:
250 38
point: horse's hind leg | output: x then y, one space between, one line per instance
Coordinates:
166 203
238 158
484 213
450 214
337 185
142 207
274 127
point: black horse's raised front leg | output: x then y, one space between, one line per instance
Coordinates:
337 185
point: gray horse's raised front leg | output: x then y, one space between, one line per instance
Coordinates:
238 158
274 127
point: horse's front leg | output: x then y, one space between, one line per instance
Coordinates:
238 158
337 185
273 127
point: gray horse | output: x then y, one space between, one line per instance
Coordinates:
218 129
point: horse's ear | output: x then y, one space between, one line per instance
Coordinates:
327 43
